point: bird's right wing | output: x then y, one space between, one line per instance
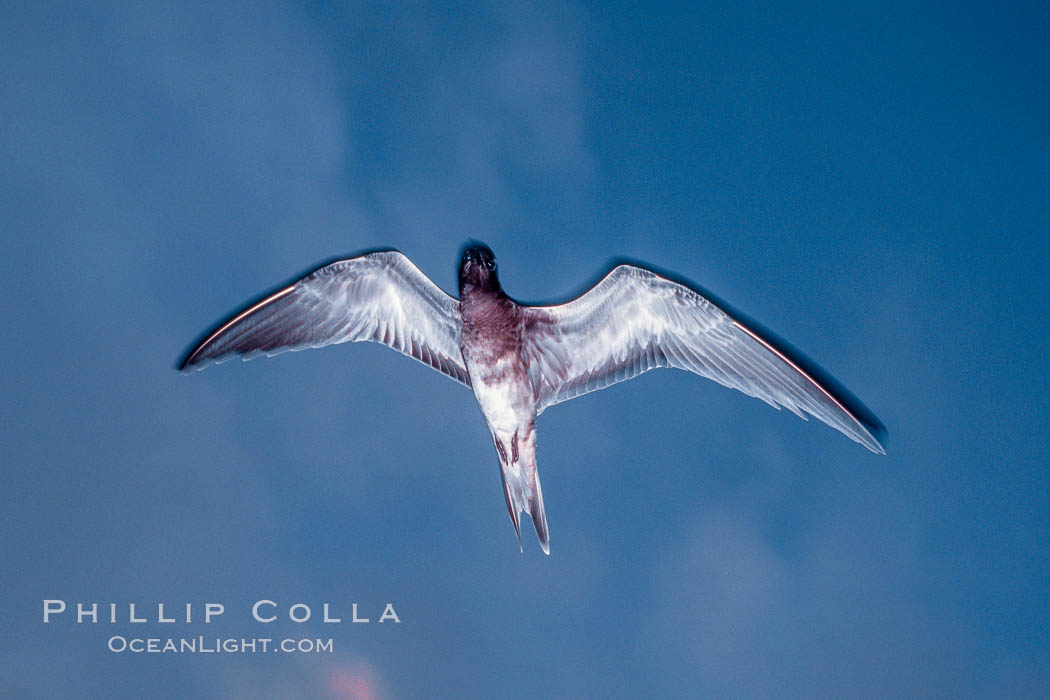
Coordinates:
635 320
380 297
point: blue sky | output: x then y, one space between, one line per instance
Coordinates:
872 183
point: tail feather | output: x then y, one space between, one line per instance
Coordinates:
521 487
539 516
514 516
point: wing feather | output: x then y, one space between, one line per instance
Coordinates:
380 297
634 320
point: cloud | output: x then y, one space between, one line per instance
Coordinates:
838 617
504 106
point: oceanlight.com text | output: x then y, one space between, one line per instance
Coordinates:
217 645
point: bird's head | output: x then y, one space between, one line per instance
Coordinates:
478 269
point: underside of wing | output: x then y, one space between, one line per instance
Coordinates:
635 320
380 297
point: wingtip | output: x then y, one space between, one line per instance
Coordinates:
184 366
879 440
876 434
866 428
190 363
194 358
874 446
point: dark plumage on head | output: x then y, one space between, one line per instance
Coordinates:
478 269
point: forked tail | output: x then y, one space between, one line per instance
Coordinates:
521 484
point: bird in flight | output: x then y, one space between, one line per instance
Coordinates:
520 359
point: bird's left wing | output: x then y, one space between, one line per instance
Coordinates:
381 297
635 320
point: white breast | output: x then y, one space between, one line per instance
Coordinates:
503 401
